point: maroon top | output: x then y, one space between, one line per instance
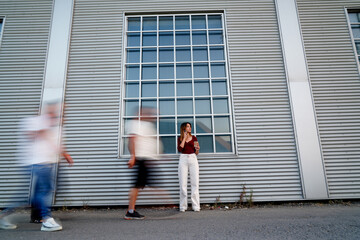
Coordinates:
189 147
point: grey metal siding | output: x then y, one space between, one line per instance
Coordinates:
266 162
335 85
22 60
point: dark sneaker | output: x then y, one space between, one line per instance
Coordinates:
134 215
35 216
35 221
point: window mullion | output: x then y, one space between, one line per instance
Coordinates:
210 80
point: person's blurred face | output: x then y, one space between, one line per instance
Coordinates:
188 128
147 114
52 113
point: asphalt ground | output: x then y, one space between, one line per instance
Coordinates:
268 221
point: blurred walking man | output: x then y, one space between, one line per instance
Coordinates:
143 150
42 153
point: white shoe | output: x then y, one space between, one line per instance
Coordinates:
6 225
50 225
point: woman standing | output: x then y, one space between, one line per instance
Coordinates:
189 148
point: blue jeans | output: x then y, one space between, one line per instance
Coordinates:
44 186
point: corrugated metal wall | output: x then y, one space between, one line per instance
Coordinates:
266 162
22 60
335 84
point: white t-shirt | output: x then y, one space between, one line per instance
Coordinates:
145 141
39 141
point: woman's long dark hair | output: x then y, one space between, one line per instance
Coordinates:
182 129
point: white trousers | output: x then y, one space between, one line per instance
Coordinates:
189 162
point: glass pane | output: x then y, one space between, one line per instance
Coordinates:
182 22
166 39
203 125
215 37
199 38
127 123
132 72
354 17
183 88
149 55
200 54
167 107
149 104
181 120
214 21
206 144
198 22
221 105
219 87
218 70
356 31
183 54
149 39
201 70
148 72
132 90
165 23
167 126
202 88
183 71
217 53
166 71
182 38
126 146
202 106
223 144
134 24
222 124
166 54
133 56
149 23
185 107
131 107
166 89
357 44
169 144
148 89
133 39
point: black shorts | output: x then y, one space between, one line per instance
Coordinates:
143 172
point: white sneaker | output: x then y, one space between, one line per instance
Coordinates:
50 225
6 225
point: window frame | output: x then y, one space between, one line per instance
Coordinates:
353 39
224 45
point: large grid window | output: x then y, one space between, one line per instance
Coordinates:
178 65
354 17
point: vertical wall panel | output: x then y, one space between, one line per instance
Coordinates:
335 85
92 107
22 59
